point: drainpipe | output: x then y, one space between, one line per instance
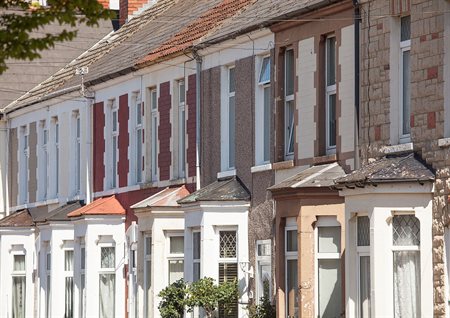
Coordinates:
357 22
198 60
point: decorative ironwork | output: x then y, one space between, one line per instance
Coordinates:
228 244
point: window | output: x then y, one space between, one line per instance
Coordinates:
176 258
181 129
77 159
18 286
328 268
24 157
228 270
43 161
228 120
107 282
139 133
363 264
330 98
83 281
263 113
147 274
406 249
197 245
53 173
114 142
405 78
289 105
48 295
263 270
154 137
291 256
68 279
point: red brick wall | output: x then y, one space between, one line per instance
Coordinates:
99 146
164 131
123 165
190 125
128 7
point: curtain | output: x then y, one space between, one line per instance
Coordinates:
107 295
364 286
407 284
69 298
330 289
292 287
18 297
176 270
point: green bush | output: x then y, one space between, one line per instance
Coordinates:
173 300
264 309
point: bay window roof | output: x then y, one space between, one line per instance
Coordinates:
102 206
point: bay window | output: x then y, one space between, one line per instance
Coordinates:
107 282
228 267
154 135
19 286
181 129
406 250
176 258
330 98
289 104
291 270
363 263
328 268
196 255
68 280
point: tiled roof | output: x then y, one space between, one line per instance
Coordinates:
400 168
17 219
58 214
225 189
198 28
165 198
102 206
313 177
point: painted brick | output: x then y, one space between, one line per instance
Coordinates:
99 146
191 125
164 131
124 139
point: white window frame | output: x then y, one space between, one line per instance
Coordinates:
43 160
16 273
289 133
227 137
330 90
181 132
196 260
53 184
361 251
82 294
173 256
261 261
260 121
139 120
114 135
153 93
323 221
108 271
405 46
69 274
24 151
77 149
147 271
289 256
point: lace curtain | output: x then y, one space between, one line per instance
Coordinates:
407 284
107 295
18 297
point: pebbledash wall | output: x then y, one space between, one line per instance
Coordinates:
430 104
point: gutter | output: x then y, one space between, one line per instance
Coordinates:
357 22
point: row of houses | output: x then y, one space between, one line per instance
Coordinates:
300 147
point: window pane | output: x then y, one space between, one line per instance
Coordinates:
48 296
292 287
363 226
154 147
138 113
139 155
197 245
329 288
154 100
114 121
68 260
405 28
406 284
182 146
19 263
68 312
364 286
49 261
291 241
405 230
231 80
329 239
107 295
228 242
176 270
289 72
289 122
231 132
18 296
264 75
196 274
82 295
265 249
332 120
264 280
267 117
148 245
181 92
177 244
148 276
406 93
228 272
331 61
108 257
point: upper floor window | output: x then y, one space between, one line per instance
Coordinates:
181 129
77 157
43 160
289 104
23 161
56 157
154 133
114 142
228 119
405 78
330 98
263 113
139 131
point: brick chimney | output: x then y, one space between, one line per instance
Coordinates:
129 7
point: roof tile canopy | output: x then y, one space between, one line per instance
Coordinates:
225 189
58 214
102 206
400 168
165 198
17 219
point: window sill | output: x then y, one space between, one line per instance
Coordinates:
444 142
226 174
324 159
283 165
261 168
397 149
